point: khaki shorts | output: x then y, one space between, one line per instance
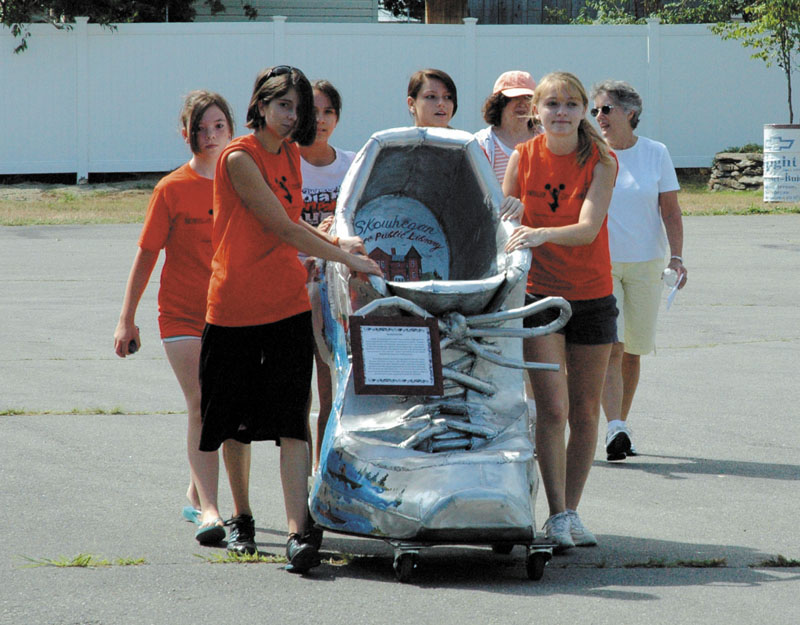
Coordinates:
637 287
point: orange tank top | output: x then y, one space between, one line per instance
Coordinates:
255 277
553 188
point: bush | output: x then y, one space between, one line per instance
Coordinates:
747 147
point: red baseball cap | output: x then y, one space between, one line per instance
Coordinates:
514 83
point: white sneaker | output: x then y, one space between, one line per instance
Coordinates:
618 441
581 536
557 530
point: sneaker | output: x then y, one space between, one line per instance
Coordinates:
581 536
313 534
242 537
557 530
302 555
618 442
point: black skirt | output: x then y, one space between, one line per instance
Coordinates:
255 381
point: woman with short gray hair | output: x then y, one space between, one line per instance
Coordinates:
644 216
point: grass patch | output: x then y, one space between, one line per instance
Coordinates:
339 559
13 412
652 563
116 410
242 558
82 561
695 199
711 563
129 561
34 203
660 563
778 561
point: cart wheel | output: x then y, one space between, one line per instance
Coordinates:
502 549
535 564
404 565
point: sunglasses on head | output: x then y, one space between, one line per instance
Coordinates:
278 70
605 110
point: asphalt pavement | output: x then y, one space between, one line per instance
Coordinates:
92 461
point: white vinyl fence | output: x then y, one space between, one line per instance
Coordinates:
95 100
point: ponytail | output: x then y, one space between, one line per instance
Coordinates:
588 136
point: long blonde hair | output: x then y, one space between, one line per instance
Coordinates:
587 135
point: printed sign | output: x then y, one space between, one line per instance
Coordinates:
781 163
404 238
396 356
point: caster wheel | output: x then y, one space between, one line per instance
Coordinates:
404 565
535 565
502 549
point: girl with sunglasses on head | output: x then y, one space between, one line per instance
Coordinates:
564 178
432 98
643 219
323 167
257 348
179 220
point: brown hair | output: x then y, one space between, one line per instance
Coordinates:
323 86
418 79
493 110
275 82
587 135
195 105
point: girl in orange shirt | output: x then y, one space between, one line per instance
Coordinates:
564 179
179 221
257 349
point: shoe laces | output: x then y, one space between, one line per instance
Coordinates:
558 523
242 527
575 521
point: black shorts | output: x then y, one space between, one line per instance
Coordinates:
255 381
593 321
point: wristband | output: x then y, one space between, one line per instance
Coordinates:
335 241
676 258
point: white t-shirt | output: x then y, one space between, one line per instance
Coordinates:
635 229
321 186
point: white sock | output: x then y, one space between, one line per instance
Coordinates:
615 424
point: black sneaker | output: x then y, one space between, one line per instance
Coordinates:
313 534
242 536
302 555
618 444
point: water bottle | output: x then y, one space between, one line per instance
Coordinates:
670 277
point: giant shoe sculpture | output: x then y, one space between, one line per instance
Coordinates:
460 467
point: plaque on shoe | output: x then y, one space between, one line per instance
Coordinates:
396 356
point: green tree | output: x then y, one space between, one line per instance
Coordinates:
414 9
17 14
774 33
669 11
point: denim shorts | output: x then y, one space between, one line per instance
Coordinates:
593 321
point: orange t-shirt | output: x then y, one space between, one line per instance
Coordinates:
255 277
179 221
553 188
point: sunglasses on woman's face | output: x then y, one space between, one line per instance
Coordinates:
605 110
